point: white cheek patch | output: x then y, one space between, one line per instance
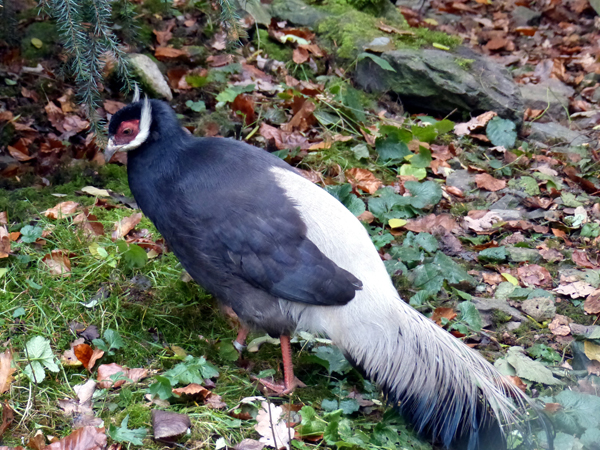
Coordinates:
145 122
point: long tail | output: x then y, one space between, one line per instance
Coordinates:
450 393
446 389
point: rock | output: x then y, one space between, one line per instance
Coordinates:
522 17
150 75
297 12
520 254
512 325
548 132
540 308
442 82
551 94
486 306
461 179
257 10
508 214
506 202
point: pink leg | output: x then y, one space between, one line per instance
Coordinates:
240 340
290 382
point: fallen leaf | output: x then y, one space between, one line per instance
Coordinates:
3 218
89 224
249 444
6 371
7 418
363 179
169 425
581 258
591 304
61 210
85 438
105 371
366 217
302 119
58 263
273 429
576 289
300 55
489 183
534 275
219 60
87 355
125 225
443 313
427 223
244 105
20 151
112 106
4 242
461 129
164 53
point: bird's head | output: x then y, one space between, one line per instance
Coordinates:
129 128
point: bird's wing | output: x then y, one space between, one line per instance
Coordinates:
271 251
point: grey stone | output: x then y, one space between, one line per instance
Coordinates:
461 179
508 214
555 132
540 308
551 96
297 12
522 17
486 306
520 254
512 325
150 75
506 202
257 10
442 82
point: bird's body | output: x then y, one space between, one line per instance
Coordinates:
287 256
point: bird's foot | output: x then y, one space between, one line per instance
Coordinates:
280 388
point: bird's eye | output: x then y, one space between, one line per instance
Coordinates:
127 131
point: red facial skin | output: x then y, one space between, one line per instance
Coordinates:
127 132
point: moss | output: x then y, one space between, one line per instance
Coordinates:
465 63
576 313
271 48
44 31
500 317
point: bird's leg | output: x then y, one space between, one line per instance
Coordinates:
240 340
290 382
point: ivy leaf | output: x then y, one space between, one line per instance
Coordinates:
334 359
198 106
39 356
502 132
191 370
162 388
124 434
377 60
391 149
470 315
424 194
229 94
493 254
422 159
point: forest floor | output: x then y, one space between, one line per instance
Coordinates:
101 331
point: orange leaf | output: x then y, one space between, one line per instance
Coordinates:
4 242
439 313
489 183
125 225
364 180
88 438
61 210
58 263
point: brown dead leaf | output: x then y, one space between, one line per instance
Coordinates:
489 183
244 106
88 438
37 442
58 263
112 106
89 224
534 275
497 43
125 225
7 418
552 408
551 255
443 313
364 180
560 325
461 129
575 289
20 150
3 218
300 55
4 242
166 53
273 134
366 217
219 60
427 223
6 371
61 210
591 304
30 94
303 119
455 191
194 390
87 355
169 425
136 375
105 371
55 116
581 258
248 444
492 278
518 383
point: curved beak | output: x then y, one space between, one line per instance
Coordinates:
111 149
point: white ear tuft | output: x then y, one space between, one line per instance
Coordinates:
136 93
